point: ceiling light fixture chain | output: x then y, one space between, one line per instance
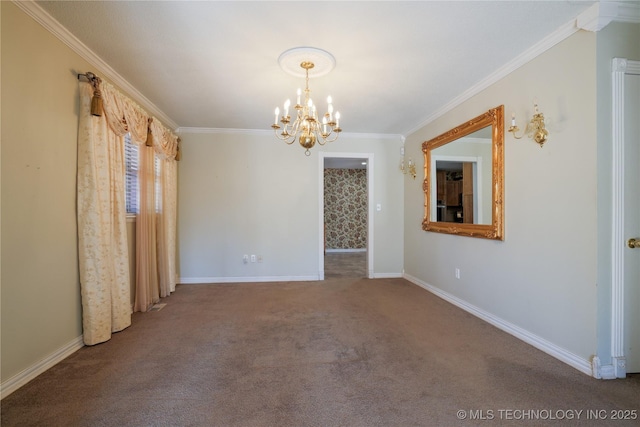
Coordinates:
307 127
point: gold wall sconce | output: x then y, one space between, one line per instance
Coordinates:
408 168
535 129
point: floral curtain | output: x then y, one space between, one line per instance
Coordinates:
102 235
102 242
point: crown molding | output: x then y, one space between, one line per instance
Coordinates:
536 50
58 30
602 14
264 132
597 17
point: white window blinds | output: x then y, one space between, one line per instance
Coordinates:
131 175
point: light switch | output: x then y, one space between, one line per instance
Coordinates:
378 207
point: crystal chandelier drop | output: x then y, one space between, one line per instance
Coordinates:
307 126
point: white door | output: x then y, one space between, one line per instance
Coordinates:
632 220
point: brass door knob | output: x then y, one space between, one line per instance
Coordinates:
634 243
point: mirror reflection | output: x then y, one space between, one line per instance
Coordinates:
461 192
464 178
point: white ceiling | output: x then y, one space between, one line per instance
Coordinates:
214 64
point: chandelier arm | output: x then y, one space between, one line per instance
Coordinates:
295 128
335 136
288 139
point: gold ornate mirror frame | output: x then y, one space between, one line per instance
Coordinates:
495 230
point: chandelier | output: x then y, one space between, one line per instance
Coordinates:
307 127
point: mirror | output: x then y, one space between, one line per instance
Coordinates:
464 178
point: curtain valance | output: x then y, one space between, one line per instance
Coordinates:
165 143
123 115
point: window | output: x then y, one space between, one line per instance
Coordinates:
131 175
132 189
157 164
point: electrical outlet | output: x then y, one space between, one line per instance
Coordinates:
245 259
457 273
253 258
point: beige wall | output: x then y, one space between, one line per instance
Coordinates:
40 284
542 277
253 194
41 307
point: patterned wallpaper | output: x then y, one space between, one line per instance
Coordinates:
345 208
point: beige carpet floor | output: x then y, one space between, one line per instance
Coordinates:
341 352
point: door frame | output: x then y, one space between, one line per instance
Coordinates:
478 184
370 238
619 67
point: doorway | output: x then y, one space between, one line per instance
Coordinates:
625 283
346 251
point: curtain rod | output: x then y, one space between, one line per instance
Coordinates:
88 75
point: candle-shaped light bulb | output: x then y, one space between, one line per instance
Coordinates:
299 92
277 114
329 101
513 119
337 119
324 124
287 103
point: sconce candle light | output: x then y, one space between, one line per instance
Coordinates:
535 128
409 168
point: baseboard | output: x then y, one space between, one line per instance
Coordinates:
602 372
20 379
332 251
540 343
248 279
387 276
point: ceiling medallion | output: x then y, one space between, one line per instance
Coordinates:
301 62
